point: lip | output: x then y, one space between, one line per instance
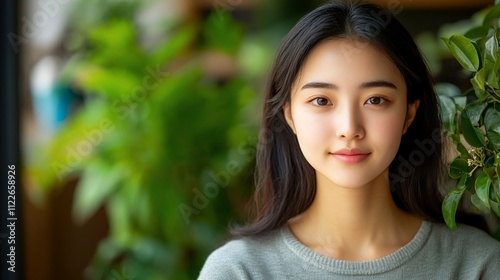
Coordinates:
350 155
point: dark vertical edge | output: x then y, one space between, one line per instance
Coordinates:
10 190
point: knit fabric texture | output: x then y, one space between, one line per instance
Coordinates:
435 252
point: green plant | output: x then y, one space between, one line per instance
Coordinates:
473 118
157 143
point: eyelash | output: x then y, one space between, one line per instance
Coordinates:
381 100
314 101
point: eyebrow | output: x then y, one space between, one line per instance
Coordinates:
378 83
371 84
319 85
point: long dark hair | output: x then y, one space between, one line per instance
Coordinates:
285 182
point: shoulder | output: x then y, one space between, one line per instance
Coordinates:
467 247
470 238
240 250
240 258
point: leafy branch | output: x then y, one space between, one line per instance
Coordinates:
473 119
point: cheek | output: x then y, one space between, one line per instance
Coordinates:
313 135
387 130
311 128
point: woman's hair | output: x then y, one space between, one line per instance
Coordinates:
285 182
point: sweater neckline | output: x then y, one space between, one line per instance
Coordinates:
389 262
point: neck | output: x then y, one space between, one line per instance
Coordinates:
354 223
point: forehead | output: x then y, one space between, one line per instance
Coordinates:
348 63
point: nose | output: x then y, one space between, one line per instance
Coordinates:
349 123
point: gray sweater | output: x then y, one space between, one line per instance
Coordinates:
434 253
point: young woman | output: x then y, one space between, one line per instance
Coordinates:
349 161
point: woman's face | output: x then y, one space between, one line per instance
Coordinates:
348 110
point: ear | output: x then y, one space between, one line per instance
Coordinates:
287 111
411 112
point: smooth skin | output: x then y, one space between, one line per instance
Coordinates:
349 111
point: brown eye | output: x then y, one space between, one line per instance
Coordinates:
376 100
320 101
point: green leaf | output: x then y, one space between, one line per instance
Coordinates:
447 89
492 125
482 186
488 163
477 32
495 207
464 51
478 83
474 111
473 135
120 224
460 147
224 35
115 45
476 201
492 15
448 112
116 33
69 149
464 153
110 83
98 181
173 46
451 201
491 48
492 72
460 102
495 192
494 137
496 234
458 167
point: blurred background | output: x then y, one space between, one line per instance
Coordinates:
139 121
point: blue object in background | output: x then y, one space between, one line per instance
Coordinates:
53 100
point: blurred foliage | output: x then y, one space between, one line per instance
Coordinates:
84 16
473 118
167 150
435 49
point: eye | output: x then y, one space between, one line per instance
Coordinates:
376 100
320 102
